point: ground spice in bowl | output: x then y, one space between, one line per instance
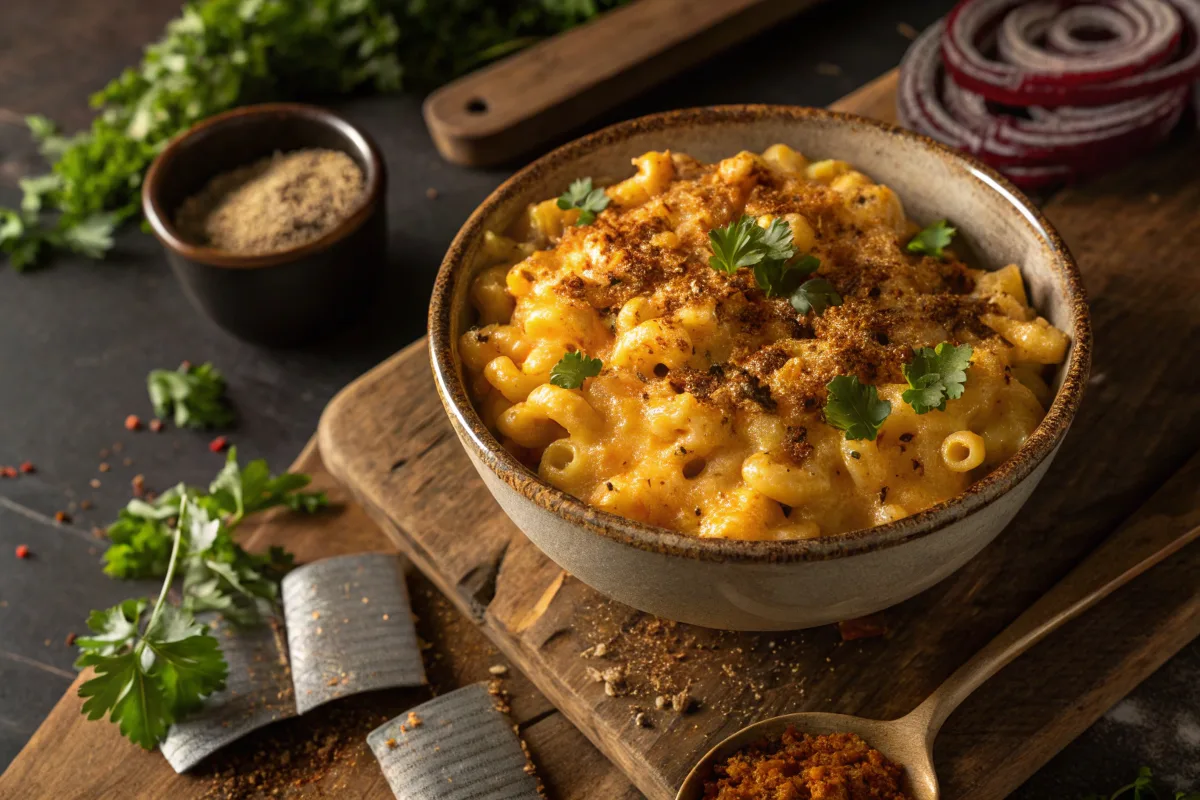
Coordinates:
836 766
278 203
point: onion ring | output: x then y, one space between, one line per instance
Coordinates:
1039 146
1039 55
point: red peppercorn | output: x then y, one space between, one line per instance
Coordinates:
62 517
22 551
8 472
27 467
133 422
156 425
71 637
218 444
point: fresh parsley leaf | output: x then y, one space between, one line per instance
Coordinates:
91 236
932 239
1142 788
855 407
141 536
193 394
745 243
589 201
113 630
780 278
573 368
936 375
815 295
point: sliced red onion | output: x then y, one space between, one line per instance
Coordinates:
1034 53
1049 145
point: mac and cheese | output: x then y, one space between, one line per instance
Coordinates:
707 416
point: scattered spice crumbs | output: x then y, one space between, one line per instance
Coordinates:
62 517
8 472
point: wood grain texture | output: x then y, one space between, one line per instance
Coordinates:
506 110
102 764
387 438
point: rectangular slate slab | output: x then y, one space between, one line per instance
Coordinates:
454 747
258 692
350 628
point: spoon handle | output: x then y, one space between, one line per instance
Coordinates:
1121 558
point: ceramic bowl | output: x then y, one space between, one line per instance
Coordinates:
277 299
746 585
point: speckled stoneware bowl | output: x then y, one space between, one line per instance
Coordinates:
792 584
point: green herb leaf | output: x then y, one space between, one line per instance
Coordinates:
573 368
815 295
193 395
145 682
141 537
936 375
855 408
745 243
589 201
932 239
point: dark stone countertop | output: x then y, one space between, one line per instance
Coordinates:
77 339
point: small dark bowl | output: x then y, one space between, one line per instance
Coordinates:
278 299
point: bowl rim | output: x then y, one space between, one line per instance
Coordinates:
163 226
488 451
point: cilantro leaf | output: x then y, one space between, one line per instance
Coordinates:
113 629
936 375
193 394
589 201
745 243
573 368
931 240
815 295
240 492
855 408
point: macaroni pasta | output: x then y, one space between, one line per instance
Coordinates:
707 414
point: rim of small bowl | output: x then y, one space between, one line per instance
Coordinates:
487 449
163 225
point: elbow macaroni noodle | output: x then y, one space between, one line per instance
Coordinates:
707 415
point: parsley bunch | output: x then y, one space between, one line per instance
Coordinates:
194 395
150 674
771 253
223 53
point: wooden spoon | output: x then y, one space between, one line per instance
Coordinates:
909 740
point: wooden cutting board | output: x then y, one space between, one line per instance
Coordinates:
1135 234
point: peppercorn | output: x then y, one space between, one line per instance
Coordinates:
218 444
22 551
156 425
133 422
27 467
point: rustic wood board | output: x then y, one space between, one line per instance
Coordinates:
509 108
1135 234
69 757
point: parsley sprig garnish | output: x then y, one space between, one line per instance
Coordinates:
141 536
855 407
745 243
152 671
1143 788
931 240
935 375
573 368
193 395
148 676
589 201
770 252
